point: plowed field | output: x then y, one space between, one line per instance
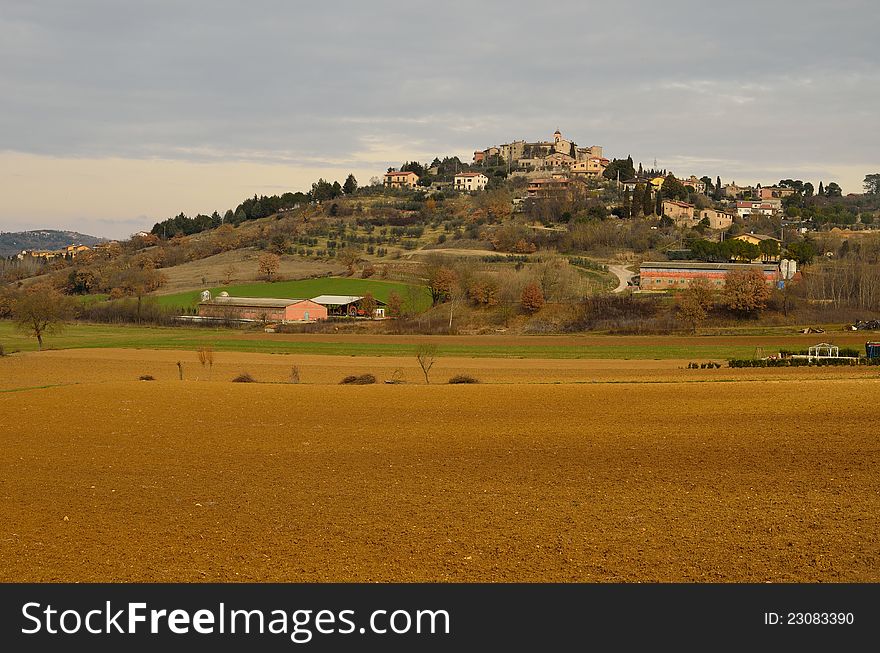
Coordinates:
758 479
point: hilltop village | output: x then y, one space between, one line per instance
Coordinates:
534 236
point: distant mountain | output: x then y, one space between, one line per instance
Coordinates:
12 242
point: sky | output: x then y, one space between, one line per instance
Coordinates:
116 115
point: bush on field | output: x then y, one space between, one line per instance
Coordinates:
462 378
614 311
363 379
244 378
146 377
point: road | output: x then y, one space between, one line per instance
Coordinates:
623 275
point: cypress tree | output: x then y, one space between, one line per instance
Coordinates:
821 191
637 201
659 201
718 190
647 201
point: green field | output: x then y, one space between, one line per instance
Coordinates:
90 336
306 289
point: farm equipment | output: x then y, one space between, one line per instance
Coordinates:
870 325
872 349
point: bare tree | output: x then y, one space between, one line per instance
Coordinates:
41 310
229 274
694 303
206 358
426 354
268 265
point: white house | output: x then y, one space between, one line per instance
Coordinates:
468 181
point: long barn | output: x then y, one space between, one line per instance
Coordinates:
261 309
676 275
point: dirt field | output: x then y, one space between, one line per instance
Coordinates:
76 366
113 479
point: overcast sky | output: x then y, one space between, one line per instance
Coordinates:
117 114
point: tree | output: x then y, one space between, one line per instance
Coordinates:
647 200
425 355
395 305
718 189
695 301
821 191
638 200
229 274
872 184
41 310
746 292
673 189
350 185
623 167
833 190
206 358
708 182
349 257
532 298
801 251
268 265
441 283
658 206
368 305
808 189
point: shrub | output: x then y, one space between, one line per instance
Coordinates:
462 378
363 379
146 377
244 378
2 351
294 374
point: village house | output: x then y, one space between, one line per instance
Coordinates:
775 246
548 186
557 160
681 212
397 179
698 185
775 192
470 181
732 191
654 183
717 219
745 208
591 167
677 275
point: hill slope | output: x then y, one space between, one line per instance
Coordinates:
12 242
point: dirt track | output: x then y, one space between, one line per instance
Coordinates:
199 481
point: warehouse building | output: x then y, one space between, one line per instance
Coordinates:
676 275
260 309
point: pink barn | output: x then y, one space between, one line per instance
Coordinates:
262 309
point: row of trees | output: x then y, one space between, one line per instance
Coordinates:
254 208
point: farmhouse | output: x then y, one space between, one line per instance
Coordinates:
260 309
676 275
348 306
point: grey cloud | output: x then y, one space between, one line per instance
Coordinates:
771 83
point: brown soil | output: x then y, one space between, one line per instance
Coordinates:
197 481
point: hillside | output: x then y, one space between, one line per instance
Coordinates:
12 242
